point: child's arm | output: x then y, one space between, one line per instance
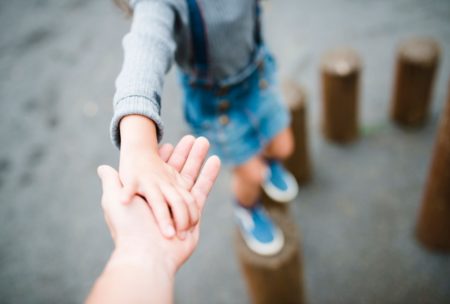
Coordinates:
137 127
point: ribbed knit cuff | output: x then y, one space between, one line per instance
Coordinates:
139 105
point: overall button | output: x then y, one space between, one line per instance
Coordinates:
263 84
224 105
224 120
261 66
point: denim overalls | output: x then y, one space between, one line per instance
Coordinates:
239 115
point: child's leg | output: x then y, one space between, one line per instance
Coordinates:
259 232
247 179
280 184
281 146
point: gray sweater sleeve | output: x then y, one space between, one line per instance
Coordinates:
148 54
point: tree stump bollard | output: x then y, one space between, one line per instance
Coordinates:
298 163
417 60
433 227
340 77
278 278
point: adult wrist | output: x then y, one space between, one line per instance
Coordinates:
142 257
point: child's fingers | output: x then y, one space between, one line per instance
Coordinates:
195 159
181 152
160 210
179 209
128 191
206 180
192 206
165 151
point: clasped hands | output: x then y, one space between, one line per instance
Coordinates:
133 225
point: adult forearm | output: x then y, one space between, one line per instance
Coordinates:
131 278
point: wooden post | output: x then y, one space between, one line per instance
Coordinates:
433 227
278 278
298 163
417 60
340 73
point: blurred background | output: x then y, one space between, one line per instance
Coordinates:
58 63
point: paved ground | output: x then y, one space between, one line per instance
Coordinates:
58 61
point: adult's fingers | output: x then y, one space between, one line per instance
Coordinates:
194 162
110 180
160 210
181 152
205 180
165 151
112 230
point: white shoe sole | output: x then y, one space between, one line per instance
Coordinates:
266 249
279 195
245 223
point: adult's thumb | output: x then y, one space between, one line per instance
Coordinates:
109 178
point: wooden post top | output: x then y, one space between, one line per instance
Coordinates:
420 50
341 61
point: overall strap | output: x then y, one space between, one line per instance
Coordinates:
257 33
199 39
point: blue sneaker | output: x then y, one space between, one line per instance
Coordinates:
280 185
260 234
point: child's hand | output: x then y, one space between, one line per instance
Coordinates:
165 187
